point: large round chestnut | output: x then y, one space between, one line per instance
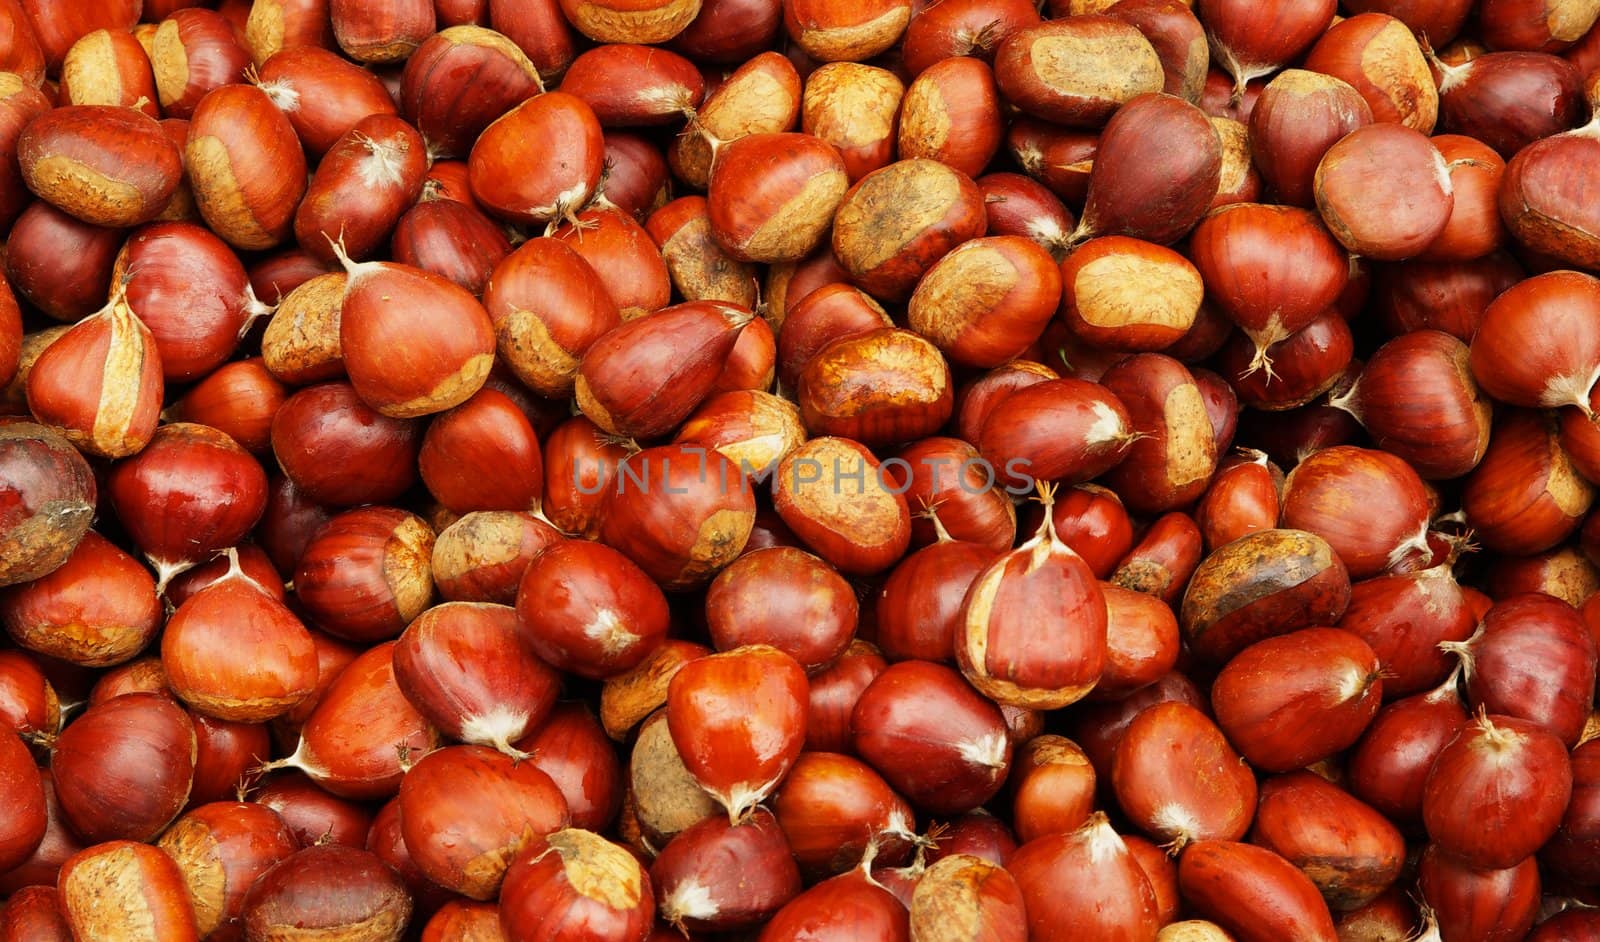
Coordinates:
588 609
367 573
124 768
482 455
1537 345
885 249
572 884
988 300
772 196
482 556
191 492
339 452
1497 792
446 336
372 902
99 608
1525 496
681 512
784 597
1295 699
1532 658
1162 777
1271 269
833 493
106 165
459 80
1057 70
1267 583
556 131
1322 496
937 741
463 667
246 166
880 387
467 811
644 377
738 720
1379 56
221 848
234 651
1391 166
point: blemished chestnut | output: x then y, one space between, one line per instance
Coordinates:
54 504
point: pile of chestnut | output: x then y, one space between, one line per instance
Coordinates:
799 470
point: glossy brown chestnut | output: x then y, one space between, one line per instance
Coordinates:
245 166
852 106
1295 699
935 740
1378 55
680 511
835 496
98 608
459 80
221 849
1057 70
1525 496
190 493
293 895
1234 601
123 770
322 93
1253 893
482 455
365 574
362 186
100 382
234 651
105 165
573 882
786 598
738 720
